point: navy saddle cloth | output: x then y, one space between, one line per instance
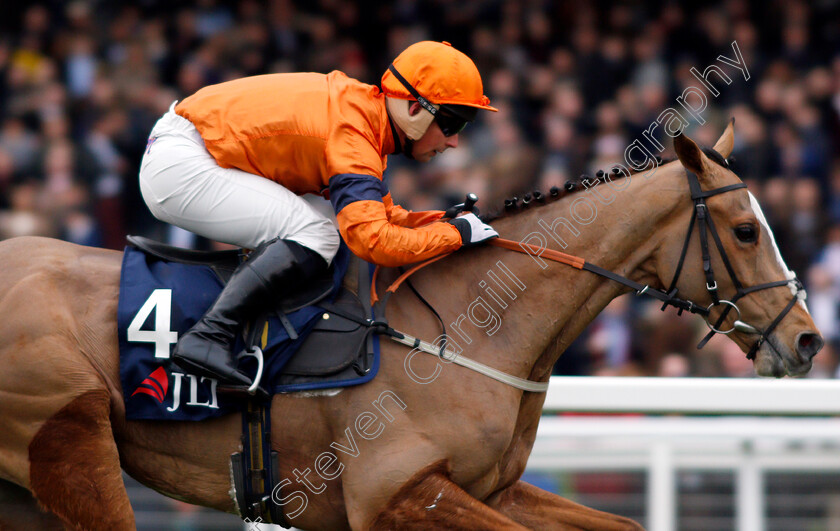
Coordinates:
305 347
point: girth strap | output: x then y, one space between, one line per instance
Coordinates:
255 469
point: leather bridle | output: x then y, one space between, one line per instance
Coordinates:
705 223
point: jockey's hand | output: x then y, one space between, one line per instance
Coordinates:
473 230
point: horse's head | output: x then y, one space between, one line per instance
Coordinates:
749 291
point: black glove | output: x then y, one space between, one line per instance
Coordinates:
473 230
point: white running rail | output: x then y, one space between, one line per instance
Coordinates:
693 396
747 444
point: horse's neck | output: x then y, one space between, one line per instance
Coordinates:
553 302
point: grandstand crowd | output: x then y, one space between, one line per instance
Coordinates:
83 82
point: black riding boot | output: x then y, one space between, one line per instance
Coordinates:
275 270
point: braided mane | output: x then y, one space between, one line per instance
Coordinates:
536 198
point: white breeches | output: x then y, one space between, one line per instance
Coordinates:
183 185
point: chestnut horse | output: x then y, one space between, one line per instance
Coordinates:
426 444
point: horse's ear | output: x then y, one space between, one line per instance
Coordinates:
689 153
726 140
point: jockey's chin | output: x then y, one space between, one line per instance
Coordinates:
425 156
431 143
776 359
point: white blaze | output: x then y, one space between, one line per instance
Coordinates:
790 275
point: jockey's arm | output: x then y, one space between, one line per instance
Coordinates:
365 225
408 218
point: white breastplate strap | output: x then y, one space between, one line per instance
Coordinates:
423 346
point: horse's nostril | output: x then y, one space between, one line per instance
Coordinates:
808 344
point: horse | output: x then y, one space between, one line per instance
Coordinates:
427 443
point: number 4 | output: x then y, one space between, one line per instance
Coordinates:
161 302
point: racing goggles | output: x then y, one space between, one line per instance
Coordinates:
450 124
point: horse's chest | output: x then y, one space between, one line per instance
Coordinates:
496 458
501 474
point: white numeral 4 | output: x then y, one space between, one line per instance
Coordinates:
161 302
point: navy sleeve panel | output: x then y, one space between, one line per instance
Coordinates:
346 188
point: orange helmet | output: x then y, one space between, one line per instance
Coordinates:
436 73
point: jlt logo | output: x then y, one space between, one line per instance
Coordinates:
212 402
156 385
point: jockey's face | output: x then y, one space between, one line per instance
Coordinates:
432 142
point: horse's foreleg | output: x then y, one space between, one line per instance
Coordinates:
74 467
431 500
538 509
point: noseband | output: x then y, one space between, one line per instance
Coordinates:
704 222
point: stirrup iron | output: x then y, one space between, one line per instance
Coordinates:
257 353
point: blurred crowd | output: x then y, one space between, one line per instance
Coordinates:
83 82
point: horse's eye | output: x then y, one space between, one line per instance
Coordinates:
746 233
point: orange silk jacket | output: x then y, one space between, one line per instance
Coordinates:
324 134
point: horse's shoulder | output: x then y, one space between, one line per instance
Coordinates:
40 245
28 255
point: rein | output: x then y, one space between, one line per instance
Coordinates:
669 298
705 224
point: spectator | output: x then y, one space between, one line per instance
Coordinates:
82 83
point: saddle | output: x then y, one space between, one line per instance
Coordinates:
334 350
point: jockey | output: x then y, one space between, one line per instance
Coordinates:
230 162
